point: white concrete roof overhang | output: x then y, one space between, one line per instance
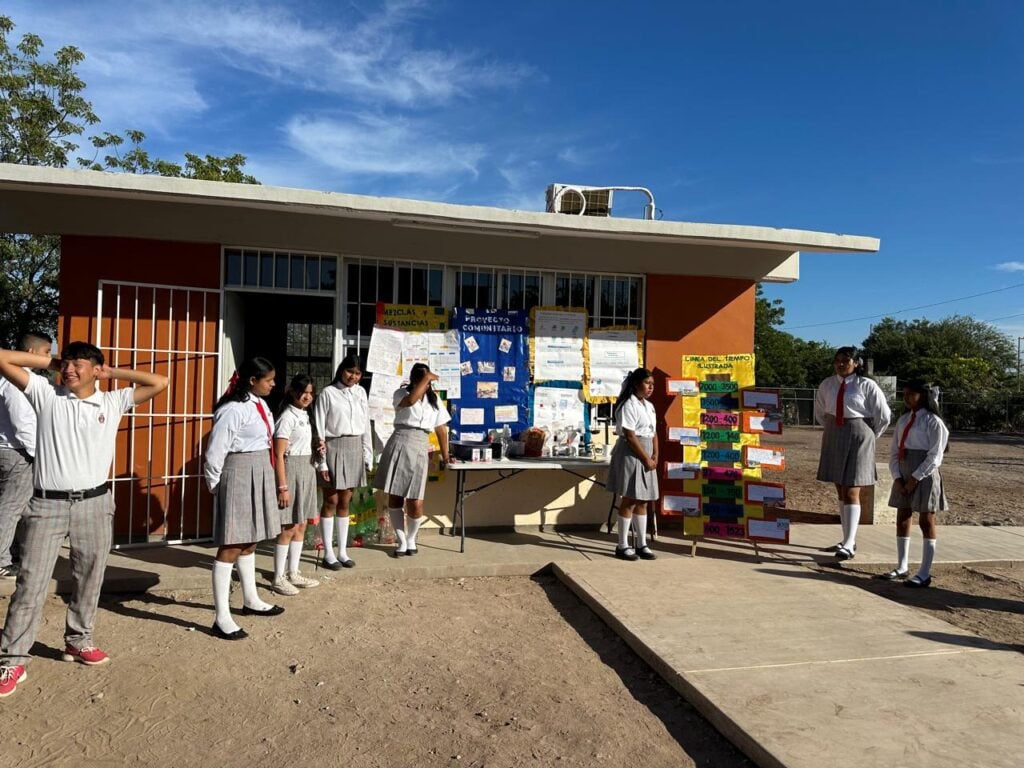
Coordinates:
40 200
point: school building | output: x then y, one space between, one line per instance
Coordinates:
189 277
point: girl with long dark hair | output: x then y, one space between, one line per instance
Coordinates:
918 443
296 484
239 470
633 472
402 471
854 413
341 417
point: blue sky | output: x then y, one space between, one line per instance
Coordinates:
901 120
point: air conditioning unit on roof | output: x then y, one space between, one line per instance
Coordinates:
579 200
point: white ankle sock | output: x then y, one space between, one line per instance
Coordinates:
222 595
624 523
853 520
902 553
327 531
927 555
397 515
294 556
412 528
247 575
640 526
280 555
342 537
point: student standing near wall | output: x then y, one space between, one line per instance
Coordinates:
341 416
633 472
918 444
75 436
404 465
853 411
296 484
239 470
17 451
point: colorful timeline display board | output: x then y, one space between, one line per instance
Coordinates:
724 493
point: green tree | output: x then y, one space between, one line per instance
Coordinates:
782 359
43 114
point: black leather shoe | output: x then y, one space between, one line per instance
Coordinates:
238 634
844 554
348 563
645 553
332 566
411 552
893 575
274 610
396 552
916 583
626 553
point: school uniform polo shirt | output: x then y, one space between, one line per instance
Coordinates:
75 437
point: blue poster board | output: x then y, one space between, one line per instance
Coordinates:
495 357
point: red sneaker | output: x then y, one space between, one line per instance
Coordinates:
9 679
90 656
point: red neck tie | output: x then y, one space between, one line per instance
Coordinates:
906 431
840 403
270 432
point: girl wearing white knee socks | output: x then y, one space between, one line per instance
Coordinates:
854 413
403 467
296 484
239 470
341 416
918 443
633 472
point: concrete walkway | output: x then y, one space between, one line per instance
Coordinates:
795 668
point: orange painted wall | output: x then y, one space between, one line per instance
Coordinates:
691 316
154 443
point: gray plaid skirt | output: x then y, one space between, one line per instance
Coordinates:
627 475
345 462
246 500
848 453
403 466
301 476
929 496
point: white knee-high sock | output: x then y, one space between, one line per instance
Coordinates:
247 575
222 595
927 555
853 513
902 553
280 555
342 537
327 533
294 556
412 528
397 515
624 523
640 526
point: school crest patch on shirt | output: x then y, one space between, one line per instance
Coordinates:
102 418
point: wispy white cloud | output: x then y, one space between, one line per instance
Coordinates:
1010 266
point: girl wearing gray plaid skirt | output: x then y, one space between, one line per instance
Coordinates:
633 472
239 470
341 417
296 484
853 411
915 454
402 471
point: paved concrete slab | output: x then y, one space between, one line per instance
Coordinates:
798 670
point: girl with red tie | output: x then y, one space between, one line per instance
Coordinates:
239 470
853 411
918 443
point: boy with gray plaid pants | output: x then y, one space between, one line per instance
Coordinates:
75 438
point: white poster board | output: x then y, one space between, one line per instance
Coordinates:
612 356
385 355
557 405
558 345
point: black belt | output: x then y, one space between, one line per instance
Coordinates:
90 493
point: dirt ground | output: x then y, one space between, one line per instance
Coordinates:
468 672
983 476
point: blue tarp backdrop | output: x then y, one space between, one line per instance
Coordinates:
495 360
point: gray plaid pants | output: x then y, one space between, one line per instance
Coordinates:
89 524
15 494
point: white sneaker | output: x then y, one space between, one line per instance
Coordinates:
284 587
298 580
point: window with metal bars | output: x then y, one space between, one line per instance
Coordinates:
259 270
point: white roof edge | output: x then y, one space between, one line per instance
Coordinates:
413 212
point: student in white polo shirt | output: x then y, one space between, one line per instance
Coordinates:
17 450
75 437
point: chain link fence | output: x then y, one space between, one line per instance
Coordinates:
963 411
